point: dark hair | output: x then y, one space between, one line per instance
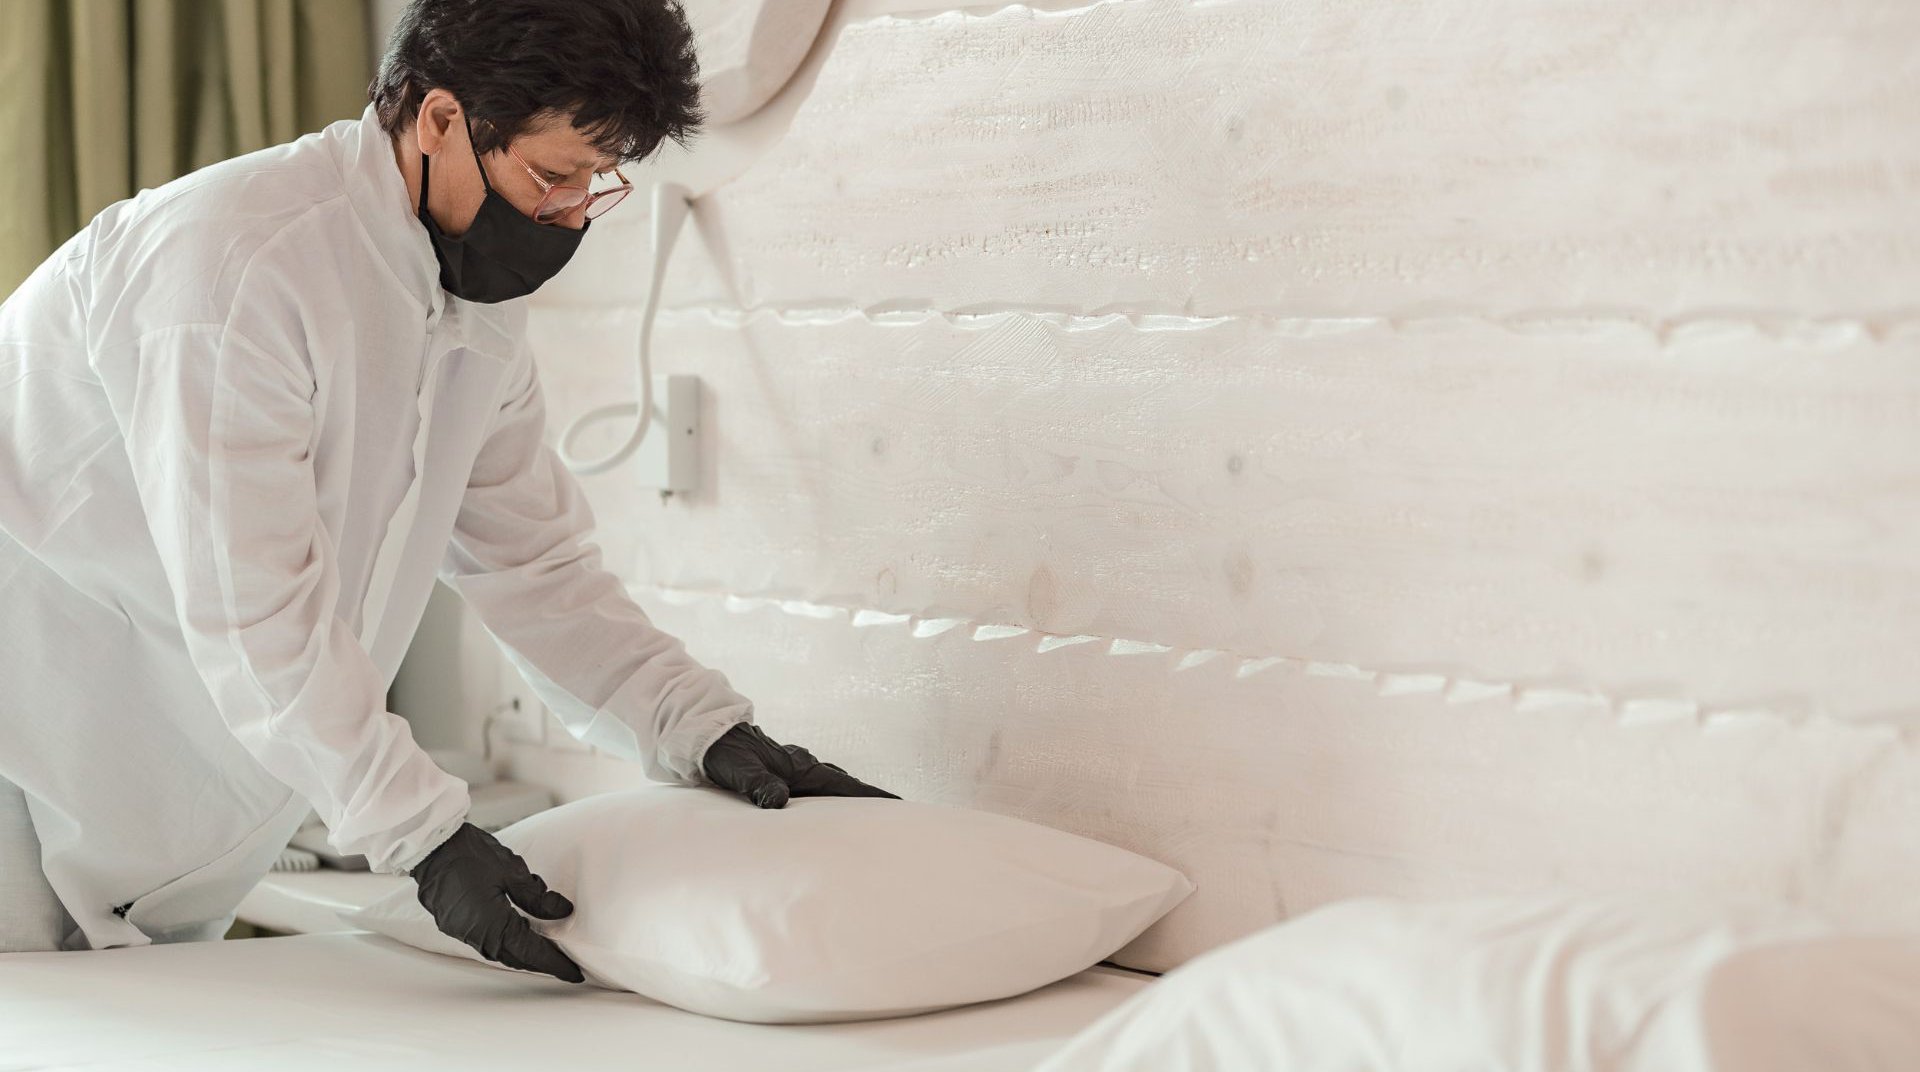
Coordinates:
623 71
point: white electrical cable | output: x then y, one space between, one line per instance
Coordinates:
671 202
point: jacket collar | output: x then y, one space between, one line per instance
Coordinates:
378 193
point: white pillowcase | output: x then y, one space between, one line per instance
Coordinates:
829 909
1523 984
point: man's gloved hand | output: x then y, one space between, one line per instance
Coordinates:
748 762
471 883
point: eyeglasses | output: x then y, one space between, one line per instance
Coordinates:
557 200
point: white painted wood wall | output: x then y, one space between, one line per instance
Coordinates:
1337 448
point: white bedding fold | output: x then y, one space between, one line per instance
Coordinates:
332 1001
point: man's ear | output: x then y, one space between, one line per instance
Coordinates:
439 114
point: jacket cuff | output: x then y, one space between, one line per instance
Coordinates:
404 865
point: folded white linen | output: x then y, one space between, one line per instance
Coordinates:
1527 984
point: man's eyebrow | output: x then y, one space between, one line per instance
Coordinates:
599 166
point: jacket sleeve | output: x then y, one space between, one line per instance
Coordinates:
220 432
521 558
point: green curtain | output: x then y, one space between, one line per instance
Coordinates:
102 98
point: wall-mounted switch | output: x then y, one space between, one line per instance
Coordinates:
669 458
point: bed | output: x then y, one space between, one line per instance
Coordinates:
331 1001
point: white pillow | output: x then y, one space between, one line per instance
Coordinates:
830 909
1521 984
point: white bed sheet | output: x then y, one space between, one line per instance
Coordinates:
360 1001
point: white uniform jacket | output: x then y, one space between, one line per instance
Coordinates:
242 427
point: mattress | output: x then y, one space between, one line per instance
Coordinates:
361 1001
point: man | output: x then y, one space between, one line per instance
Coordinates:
247 417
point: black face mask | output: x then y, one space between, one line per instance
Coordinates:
504 254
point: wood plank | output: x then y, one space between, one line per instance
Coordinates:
1284 790
1649 158
1725 515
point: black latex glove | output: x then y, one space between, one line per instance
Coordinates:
471 884
751 764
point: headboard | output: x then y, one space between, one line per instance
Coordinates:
1335 448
